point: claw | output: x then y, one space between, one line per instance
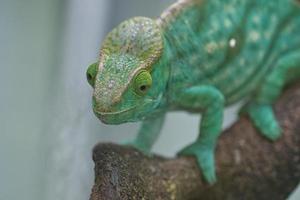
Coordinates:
205 159
264 120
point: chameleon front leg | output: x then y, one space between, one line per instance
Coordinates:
210 101
260 109
148 133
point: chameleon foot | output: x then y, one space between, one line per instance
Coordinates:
263 118
205 159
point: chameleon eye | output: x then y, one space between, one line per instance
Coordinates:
91 73
142 82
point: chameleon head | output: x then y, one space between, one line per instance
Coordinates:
123 78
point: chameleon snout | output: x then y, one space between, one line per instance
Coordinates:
111 113
105 104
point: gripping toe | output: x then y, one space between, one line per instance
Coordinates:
264 119
205 160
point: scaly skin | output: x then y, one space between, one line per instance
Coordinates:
200 56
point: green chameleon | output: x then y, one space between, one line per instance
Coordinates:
199 56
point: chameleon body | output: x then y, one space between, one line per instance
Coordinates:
199 56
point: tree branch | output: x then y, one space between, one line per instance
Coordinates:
248 166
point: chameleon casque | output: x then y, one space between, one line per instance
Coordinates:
199 56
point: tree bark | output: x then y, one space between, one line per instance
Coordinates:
248 165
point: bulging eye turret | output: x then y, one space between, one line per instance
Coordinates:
91 73
142 82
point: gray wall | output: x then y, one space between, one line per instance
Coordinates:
28 52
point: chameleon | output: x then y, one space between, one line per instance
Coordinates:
198 56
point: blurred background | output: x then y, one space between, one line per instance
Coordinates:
47 128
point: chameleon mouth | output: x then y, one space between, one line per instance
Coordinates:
117 117
147 101
114 113
130 114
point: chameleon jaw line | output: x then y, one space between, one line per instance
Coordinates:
114 113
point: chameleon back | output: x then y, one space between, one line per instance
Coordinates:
231 44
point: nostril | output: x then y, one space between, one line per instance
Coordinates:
103 104
99 106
